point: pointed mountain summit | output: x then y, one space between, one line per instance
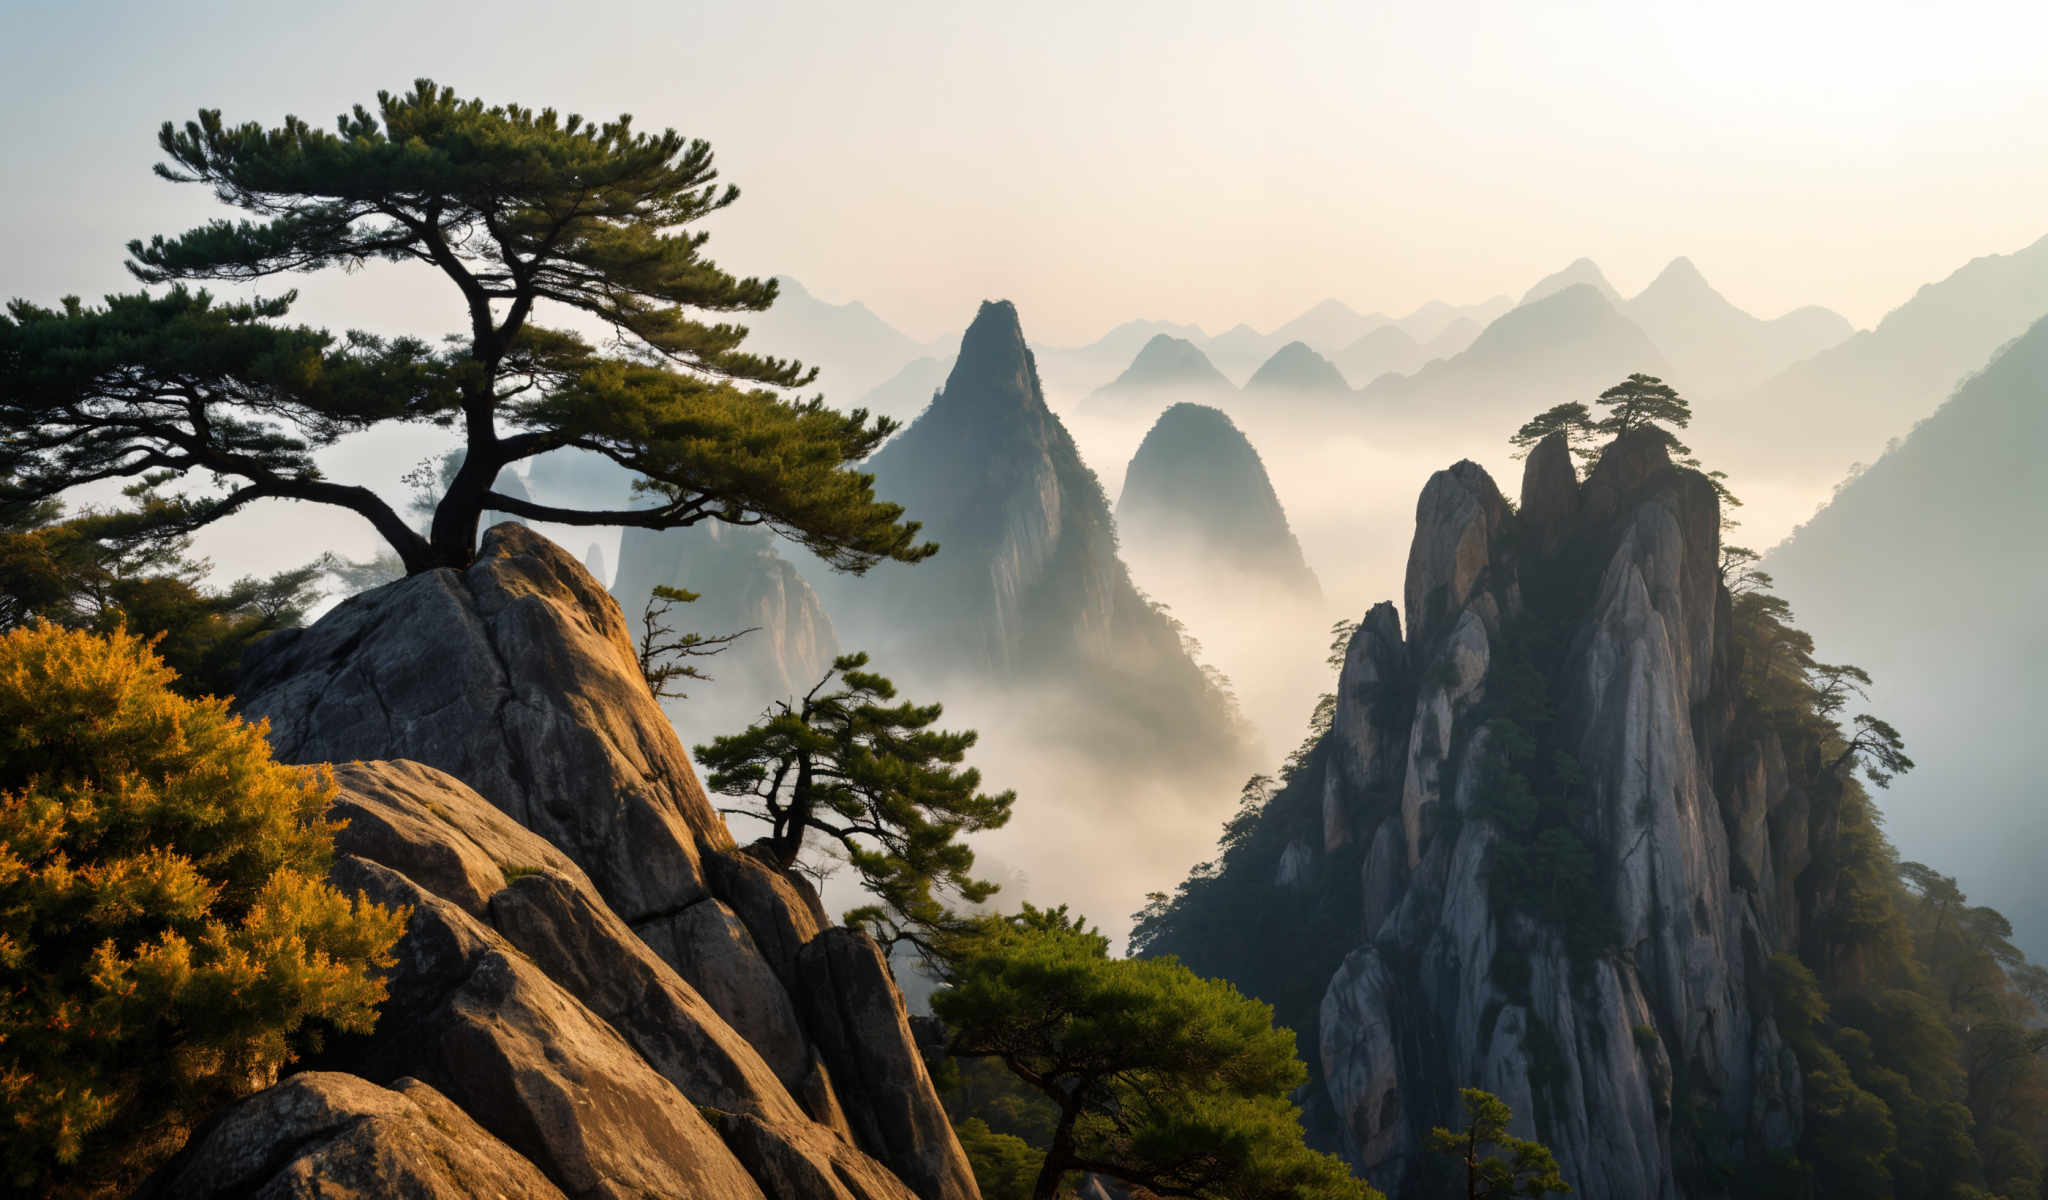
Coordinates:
1297 369
1713 346
1166 369
1027 587
1581 271
1197 491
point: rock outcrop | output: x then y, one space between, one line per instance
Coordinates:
1539 851
594 974
322 1133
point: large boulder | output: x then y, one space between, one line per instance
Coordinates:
515 676
323 1133
595 972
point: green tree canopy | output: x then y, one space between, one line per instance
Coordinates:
516 210
873 776
1642 400
1162 1079
1496 1162
167 935
1571 419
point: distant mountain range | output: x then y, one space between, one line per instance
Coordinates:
1927 571
1167 367
1842 404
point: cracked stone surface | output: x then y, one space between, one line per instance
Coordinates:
595 973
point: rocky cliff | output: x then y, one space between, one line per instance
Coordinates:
1542 850
599 993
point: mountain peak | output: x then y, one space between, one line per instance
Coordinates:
1581 270
994 370
1679 279
995 339
1297 367
1167 361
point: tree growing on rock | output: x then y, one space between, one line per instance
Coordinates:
167 936
844 762
663 653
1642 400
1495 1162
523 215
1571 419
1162 1080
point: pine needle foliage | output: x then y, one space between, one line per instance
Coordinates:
520 213
1162 1079
848 763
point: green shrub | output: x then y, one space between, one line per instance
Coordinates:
1005 1166
167 939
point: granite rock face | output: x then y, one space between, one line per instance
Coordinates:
322 1133
594 973
1597 613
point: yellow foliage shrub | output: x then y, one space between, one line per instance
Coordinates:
167 937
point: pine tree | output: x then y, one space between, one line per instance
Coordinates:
1162 1080
1571 418
876 778
1496 1162
515 210
1642 400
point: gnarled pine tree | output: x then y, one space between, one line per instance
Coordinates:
518 210
874 777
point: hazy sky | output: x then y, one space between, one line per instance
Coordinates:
1205 162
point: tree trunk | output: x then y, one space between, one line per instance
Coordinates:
789 839
454 531
1056 1157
